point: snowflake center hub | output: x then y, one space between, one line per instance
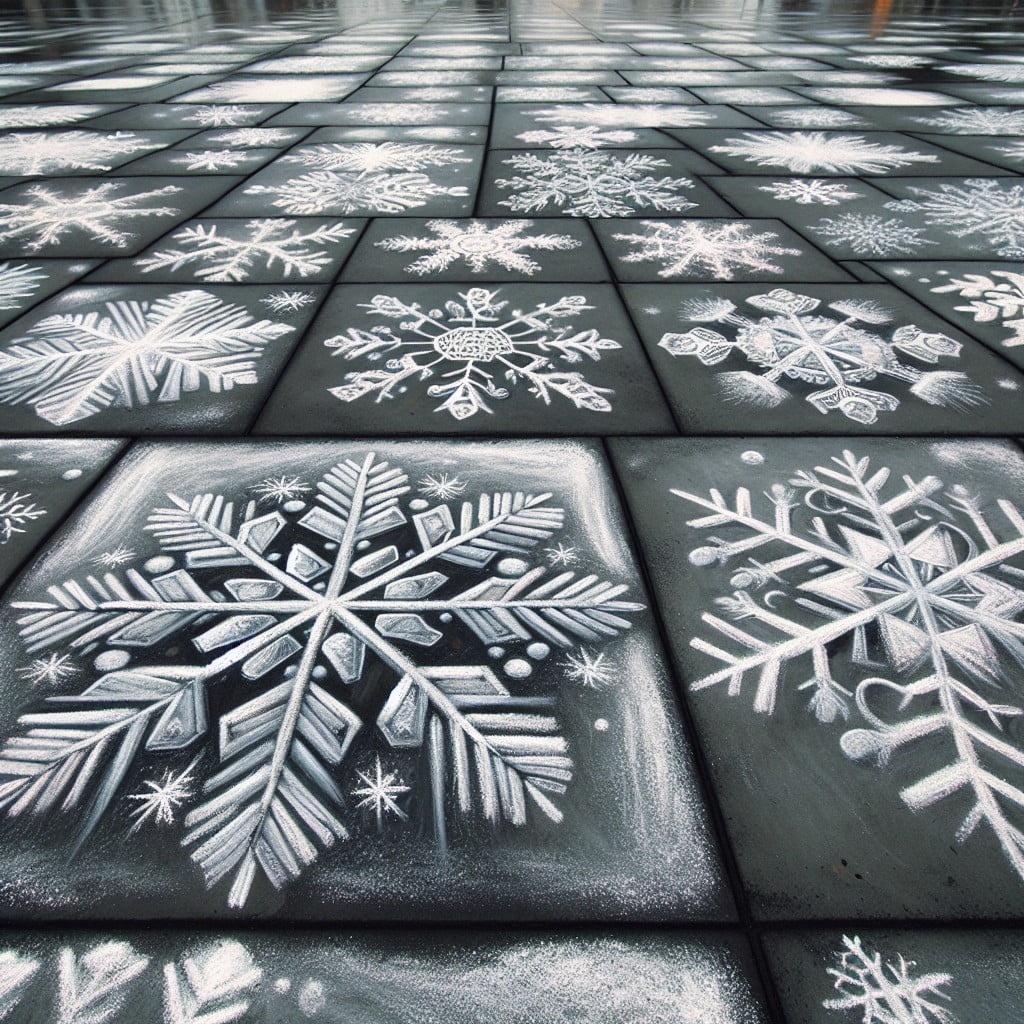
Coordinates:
477 245
483 343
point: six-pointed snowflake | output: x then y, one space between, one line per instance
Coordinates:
70 366
471 346
976 121
380 793
587 136
996 297
886 992
835 354
279 489
810 191
695 247
898 604
48 215
477 244
32 153
868 234
810 152
159 801
288 302
220 115
625 115
297 607
210 159
584 183
51 670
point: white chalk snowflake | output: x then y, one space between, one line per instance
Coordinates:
48 116
834 354
894 60
288 302
158 801
625 115
32 153
279 489
869 234
831 153
17 510
384 177
442 486
216 984
397 113
695 247
471 345
561 554
987 72
905 593
245 137
983 207
477 244
115 556
222 115
592 671
211 159
50 671
315 600
576 137
999 296
810 191
49 215
380 793
584 183
886 992
17 283
976 121
70 366
233 251
817 117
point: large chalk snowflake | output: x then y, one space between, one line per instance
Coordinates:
976 121
625 115
18 282
233 252
32 153
46 116
44 216
694 247
477 244
810 191
584 183
999 296
472 345
982 207
869 234
909 594
384 177
817 117
886 992
835 354
822 152
297 606
566 136
71 366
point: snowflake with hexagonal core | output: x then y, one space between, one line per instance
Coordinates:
32 153
868 234
584 183
983 207
477 244
810 191
810 152
297 606
71 366
385 177
976 121
233 251
566 136
910 595
471 346
695 247
998 296
95 210
886 992
625 115
834 354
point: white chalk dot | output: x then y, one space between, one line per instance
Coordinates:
518 668
111 661
161 563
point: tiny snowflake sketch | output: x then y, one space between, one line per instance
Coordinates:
17 510
288 302
576 136
477 245
810 191
913 593
44 216
585 183
210 159
869 234
382 178
835 353
471 346
807 152
234 251
696 247
358 584
985 208
31 153
17 283
221 115
254 137
996 297
886 991
70 366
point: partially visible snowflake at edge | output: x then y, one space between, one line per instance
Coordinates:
312 596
